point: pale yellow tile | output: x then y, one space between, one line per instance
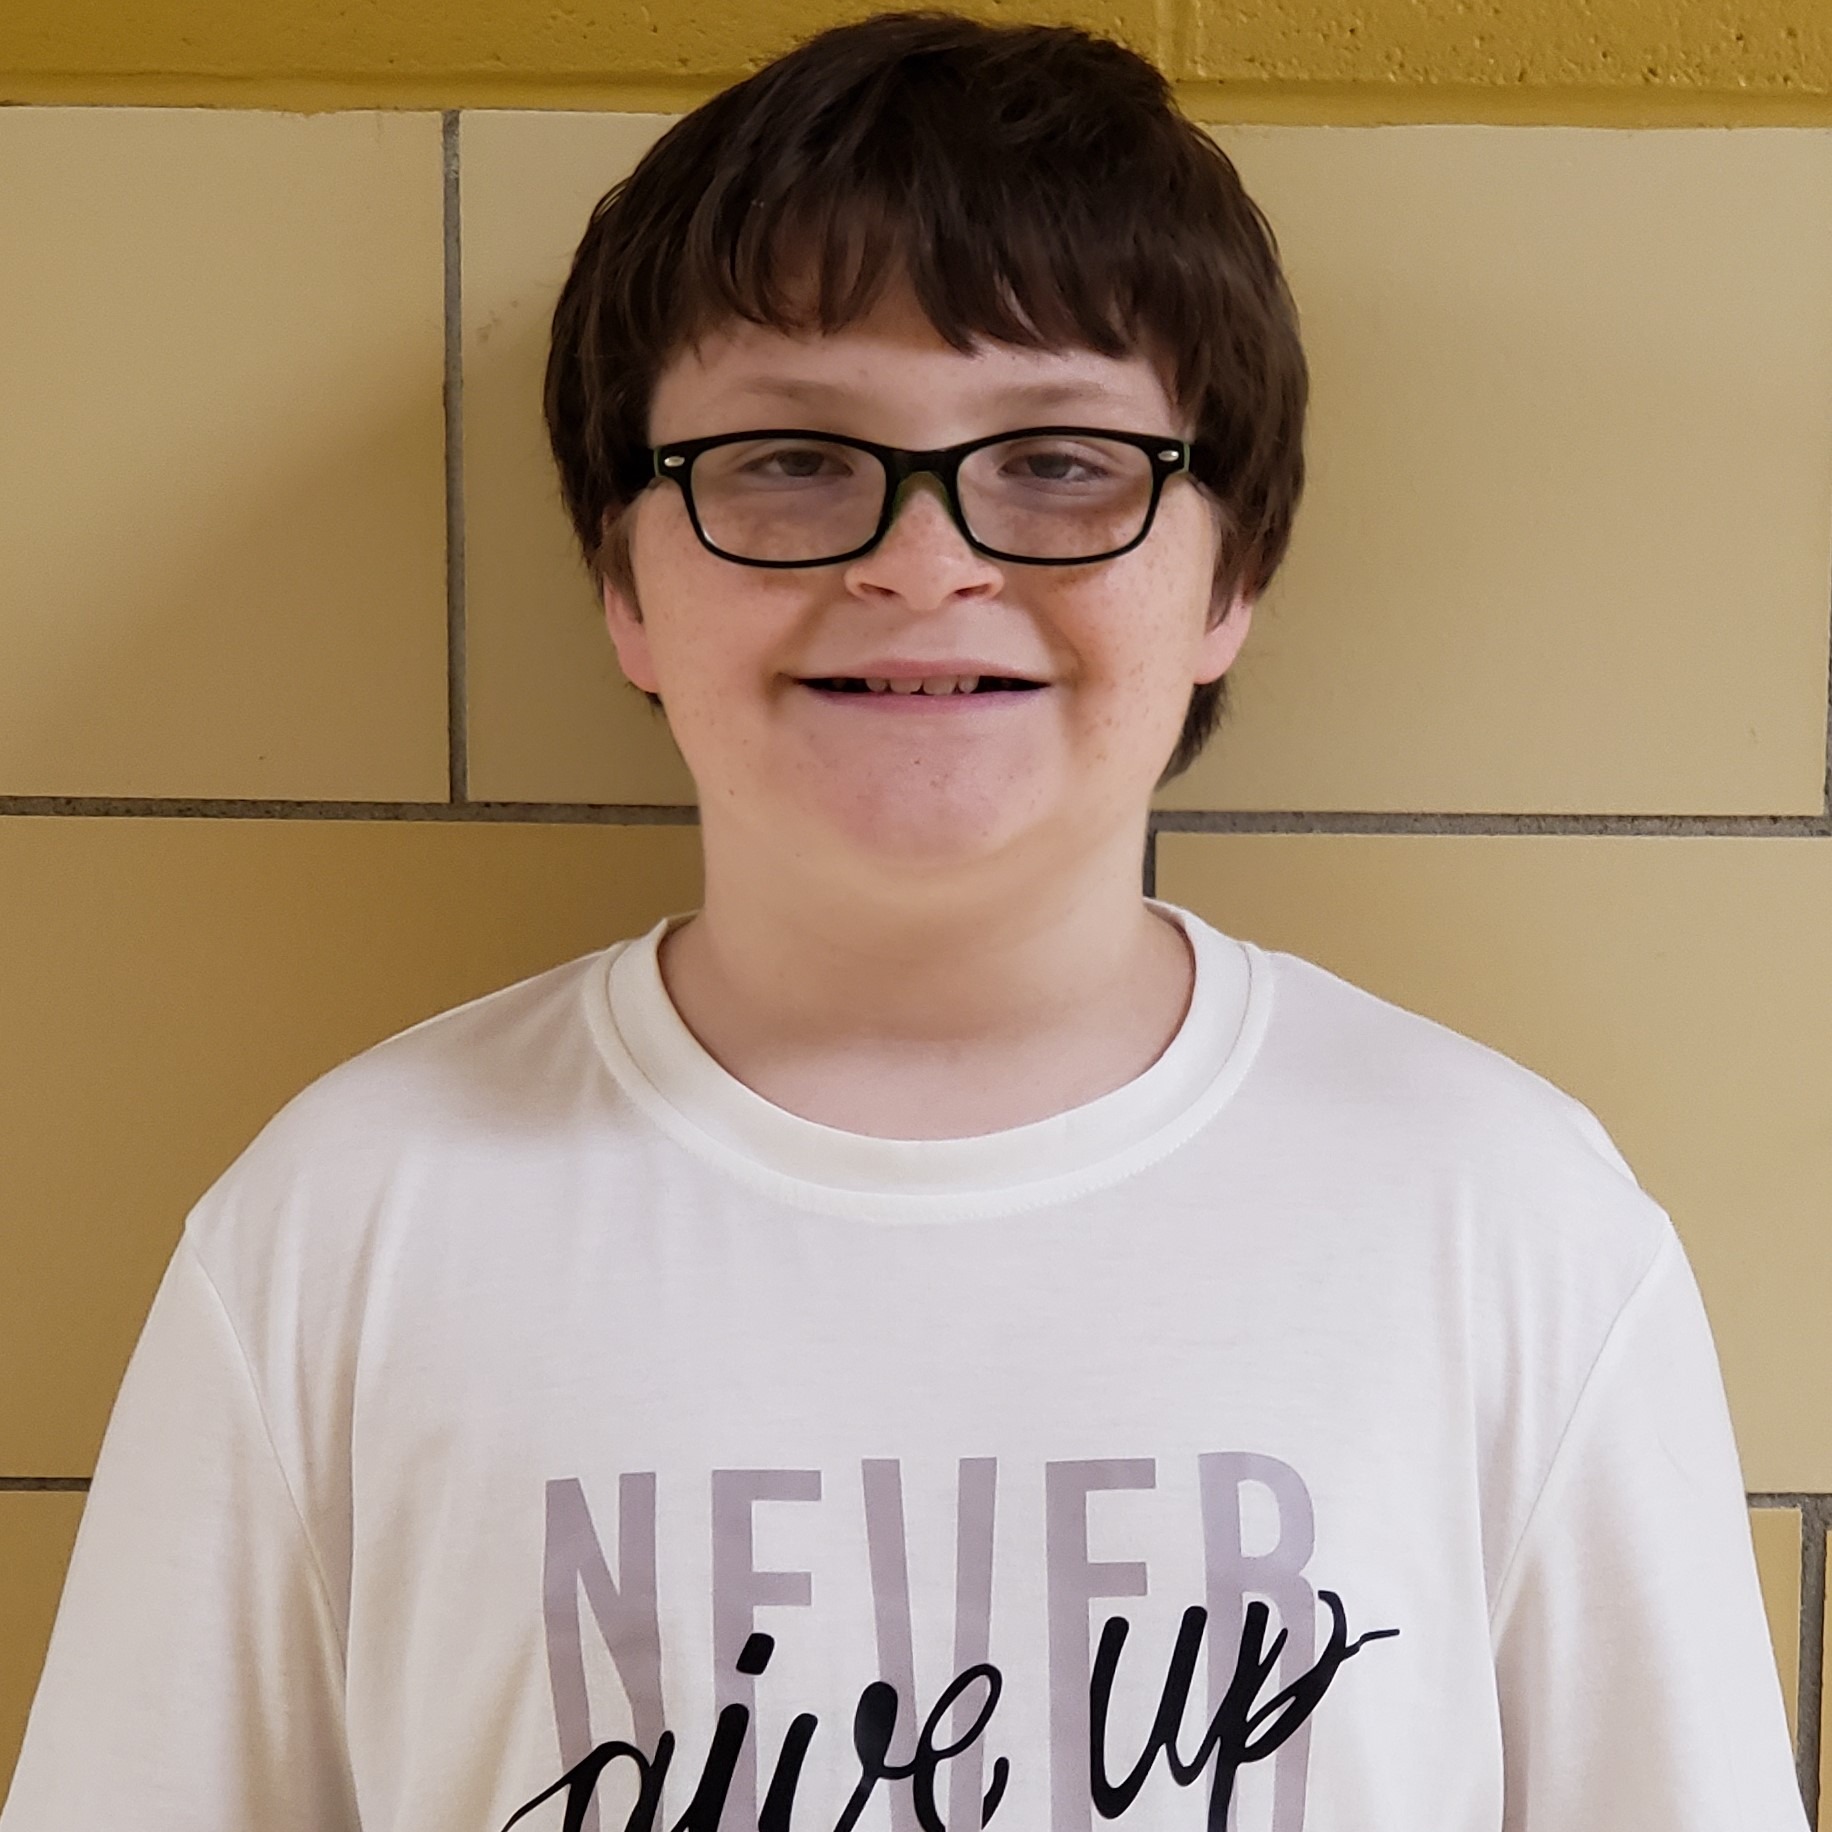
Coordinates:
169 984
221 454
551 716
1681 988
1776 1532
1565 540
37 1530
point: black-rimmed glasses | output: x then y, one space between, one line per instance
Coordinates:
1043 495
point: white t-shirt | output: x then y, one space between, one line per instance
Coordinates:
1325 1417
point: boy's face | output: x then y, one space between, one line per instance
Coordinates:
866 783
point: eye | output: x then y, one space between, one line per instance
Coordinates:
1055 462
783 462
796 461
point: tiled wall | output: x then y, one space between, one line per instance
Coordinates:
308 727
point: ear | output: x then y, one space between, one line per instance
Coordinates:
630 638
1220 642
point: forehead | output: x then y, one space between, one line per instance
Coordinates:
889 372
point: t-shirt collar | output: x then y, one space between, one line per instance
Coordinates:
666 1071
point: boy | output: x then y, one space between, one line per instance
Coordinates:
932 1339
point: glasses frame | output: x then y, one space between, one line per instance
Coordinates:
674 463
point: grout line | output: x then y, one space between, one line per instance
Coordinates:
612 814
456 716
1367 102
1813 1521
1670 826
40 1484
1178 820
1815 1512
1828 799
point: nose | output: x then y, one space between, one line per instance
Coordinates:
923 557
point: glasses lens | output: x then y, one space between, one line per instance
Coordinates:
1056 496
797 501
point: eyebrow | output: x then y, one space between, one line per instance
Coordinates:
1035 395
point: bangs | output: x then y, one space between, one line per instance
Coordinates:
993 248
816 267
1016 209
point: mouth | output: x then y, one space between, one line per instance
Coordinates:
957 687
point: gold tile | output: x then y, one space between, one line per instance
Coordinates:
1564 545
169 984
1680 988
223 506
551 716
1776 1532
37 1530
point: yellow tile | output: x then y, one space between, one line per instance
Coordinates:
551 716
36 1533
222 454
1564 546
1776 1532
1681 988
168 984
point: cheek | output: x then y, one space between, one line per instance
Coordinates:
1142 646
1147 624
712 627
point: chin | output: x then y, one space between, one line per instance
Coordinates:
944 833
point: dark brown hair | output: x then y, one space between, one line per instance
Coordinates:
1033 185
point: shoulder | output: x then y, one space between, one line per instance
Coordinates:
1357 1049
482 1065
1471 1132
470 1084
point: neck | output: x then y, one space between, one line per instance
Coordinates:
1015 993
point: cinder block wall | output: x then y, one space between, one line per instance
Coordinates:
308 729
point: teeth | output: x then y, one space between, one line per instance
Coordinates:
931 684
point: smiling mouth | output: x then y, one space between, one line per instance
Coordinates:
985 683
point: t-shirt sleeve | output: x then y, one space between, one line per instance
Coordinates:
194 1681
1638 1684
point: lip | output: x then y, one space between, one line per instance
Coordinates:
917 671
916 703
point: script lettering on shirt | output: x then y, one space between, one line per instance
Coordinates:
873 1729
1230 1741
1242 1730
